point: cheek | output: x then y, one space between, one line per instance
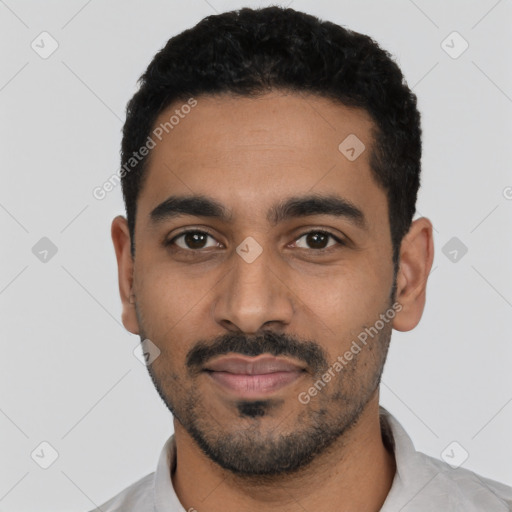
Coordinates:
167 295
344 297
159 317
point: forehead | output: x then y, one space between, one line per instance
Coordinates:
250 152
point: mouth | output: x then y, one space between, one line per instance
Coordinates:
253 377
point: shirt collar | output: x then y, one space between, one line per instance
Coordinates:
411 475
164 495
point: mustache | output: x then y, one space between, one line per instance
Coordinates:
268 342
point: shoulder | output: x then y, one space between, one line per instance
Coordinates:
466 488
136 497
426 484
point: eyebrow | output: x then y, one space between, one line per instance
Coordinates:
292 207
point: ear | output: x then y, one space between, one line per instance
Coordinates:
125 264
416 257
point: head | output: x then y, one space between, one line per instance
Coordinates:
270 168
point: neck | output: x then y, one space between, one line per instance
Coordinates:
355 473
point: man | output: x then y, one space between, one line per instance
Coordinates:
270 167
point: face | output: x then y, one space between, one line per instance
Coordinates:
257 294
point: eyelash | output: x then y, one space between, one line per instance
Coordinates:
171 242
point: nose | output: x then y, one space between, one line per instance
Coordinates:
253 296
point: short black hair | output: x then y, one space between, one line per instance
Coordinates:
250 52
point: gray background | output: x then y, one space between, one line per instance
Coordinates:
68 373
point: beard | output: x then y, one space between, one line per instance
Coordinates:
257 444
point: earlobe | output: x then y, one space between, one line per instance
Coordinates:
416 258
125 268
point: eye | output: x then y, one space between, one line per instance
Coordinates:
191 240
196 240
318 239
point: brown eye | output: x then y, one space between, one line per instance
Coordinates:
318 240
192 240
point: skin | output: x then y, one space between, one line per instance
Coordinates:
249 153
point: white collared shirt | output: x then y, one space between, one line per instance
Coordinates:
421 483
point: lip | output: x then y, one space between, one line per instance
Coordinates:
253 377
252 365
